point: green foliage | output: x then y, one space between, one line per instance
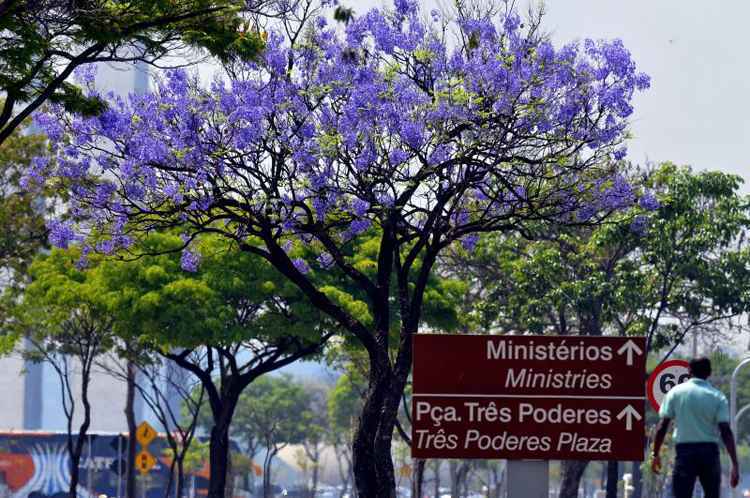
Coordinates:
442 298
196 456
73 99
233 297
345 404
273 410
688 271
61 309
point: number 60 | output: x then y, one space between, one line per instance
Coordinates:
667 382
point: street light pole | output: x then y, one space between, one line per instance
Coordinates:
733 405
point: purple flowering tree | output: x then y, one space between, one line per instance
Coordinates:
390 126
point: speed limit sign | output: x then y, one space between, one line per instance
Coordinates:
665 377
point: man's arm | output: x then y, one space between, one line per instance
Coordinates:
661 433
728 438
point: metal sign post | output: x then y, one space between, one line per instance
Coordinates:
733 405
528 479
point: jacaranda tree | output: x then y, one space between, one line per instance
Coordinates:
391 123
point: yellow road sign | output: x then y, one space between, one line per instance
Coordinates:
144 461
145 434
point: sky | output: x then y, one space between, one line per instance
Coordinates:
697 110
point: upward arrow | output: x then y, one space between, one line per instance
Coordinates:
629 348
629 413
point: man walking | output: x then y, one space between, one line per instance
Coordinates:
701 416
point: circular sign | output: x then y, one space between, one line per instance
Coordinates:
665 377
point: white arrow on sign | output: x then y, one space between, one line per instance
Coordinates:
629 413
629 348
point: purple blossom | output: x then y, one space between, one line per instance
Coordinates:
106 246
325 260
357 126
620 153
360 207
83 259
356 227
441 154
649 202
413 134
85 74
190 260
405 7
301 265
619 195
61 233
35 173
398 157
469 242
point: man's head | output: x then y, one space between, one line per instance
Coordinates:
700 367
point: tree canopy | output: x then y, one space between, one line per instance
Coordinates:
387 124
678 268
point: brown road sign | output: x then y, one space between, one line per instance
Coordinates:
534 397
144 461
144 434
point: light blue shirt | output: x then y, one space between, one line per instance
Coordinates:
697 409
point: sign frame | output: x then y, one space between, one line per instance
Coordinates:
461 402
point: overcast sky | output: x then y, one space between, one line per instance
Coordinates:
696 53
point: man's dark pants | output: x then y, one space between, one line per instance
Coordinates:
696 460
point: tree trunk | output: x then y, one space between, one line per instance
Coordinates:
179 488
218 458
130 418
572 471
373 467
438 464
458 471
77 449
613 476
315 473
637 480
345 473
418 478
75 466
270 454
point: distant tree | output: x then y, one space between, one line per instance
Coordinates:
274 410
317 427
64 316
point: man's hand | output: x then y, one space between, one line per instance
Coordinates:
656 464
734 477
